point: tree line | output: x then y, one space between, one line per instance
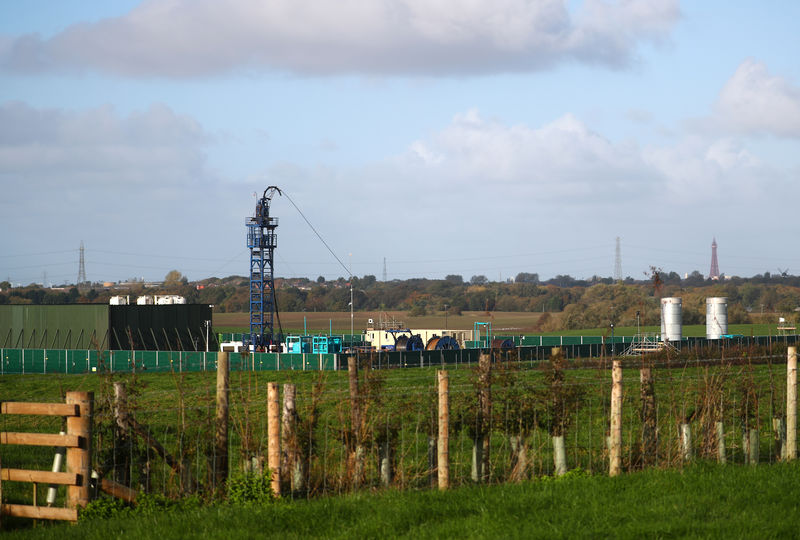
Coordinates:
581 303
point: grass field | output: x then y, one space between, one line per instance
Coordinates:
702 501
179 410
316 322
503 323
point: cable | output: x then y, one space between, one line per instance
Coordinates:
318 235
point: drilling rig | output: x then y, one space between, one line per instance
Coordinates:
262 240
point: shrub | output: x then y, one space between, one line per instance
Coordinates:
250 488
104 508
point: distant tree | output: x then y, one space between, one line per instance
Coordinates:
174 279
5 285
479 280
694 279
321 279
368 280
454 279
524 277
91 295
73 295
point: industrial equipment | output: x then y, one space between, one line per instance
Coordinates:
262 241
404 340
443 343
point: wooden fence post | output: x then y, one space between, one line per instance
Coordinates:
443 458
648 416
485 415
79 459
221 438
274 436
121 441
615 448
791 404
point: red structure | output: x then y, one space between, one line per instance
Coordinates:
714 273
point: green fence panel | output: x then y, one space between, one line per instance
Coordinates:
33 361
266 361
11 361
237 361
55 360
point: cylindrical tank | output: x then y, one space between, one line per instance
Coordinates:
716 317
671 319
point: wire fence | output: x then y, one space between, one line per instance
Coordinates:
509 422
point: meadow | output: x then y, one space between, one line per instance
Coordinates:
699 501
503 323
743 390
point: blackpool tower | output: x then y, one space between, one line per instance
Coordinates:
714 273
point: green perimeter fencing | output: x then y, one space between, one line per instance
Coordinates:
43 361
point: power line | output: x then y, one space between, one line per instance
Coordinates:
318 235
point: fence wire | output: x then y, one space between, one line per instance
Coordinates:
519 421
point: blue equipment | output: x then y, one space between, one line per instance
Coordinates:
262 240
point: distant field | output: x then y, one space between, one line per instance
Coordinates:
695 330
503 322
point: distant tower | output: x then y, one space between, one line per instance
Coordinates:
384 269
81 268
714 273
618 263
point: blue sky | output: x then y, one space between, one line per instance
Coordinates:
446 137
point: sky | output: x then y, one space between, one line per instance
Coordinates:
419 138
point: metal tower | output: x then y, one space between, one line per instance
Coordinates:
618 263
714 273
384 269
262 240
81 268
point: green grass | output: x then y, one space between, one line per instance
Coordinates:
408 403
703 501
517 323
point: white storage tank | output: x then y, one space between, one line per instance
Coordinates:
671 319
716 317
169 299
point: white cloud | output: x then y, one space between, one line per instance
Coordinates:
698 171
561 159
97 147
755 102
183 38
97 170
565 161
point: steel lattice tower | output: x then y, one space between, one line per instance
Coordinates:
714 273
81 268
262 240
618 263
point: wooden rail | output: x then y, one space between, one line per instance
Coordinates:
77 441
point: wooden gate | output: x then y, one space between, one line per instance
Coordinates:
77 440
